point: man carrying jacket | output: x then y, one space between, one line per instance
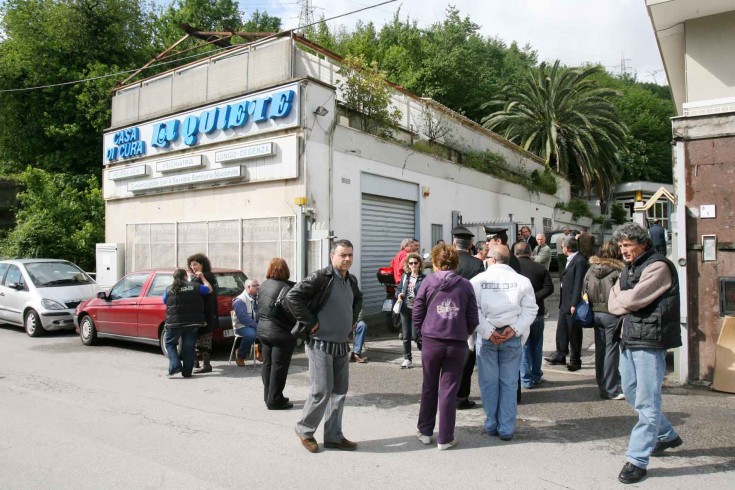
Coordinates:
328 303
647 297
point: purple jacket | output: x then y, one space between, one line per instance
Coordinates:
452 314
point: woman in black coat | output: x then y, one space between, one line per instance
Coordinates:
200 263
274 331
406 291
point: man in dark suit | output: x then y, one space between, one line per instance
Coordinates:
468 268
543 287
528 237
569 335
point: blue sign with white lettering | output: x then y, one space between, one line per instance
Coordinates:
190 127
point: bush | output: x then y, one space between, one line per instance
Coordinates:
618 214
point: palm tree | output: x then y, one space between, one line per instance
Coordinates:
561 115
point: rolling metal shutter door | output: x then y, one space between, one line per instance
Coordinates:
385 222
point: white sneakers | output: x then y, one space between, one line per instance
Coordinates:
619 396
406 364
448 445
424 439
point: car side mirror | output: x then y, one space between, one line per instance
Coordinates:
102 295
15 285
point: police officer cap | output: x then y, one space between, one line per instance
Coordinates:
493 232
462 232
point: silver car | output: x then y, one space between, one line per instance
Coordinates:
41 294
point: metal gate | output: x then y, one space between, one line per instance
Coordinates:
385 222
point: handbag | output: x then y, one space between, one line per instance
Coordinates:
397 306
583 314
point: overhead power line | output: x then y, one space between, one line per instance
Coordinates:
123 72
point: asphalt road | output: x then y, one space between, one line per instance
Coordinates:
108 417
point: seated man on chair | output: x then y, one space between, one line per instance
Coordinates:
245 318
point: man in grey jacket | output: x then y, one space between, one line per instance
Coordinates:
328 302
647 297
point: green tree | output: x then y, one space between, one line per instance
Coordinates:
51 42
205 15
566 118
262 22
366 94
58 216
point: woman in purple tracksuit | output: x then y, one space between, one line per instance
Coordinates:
445 315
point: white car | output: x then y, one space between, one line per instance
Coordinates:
41 294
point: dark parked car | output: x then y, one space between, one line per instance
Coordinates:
133 309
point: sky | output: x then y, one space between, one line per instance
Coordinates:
610 32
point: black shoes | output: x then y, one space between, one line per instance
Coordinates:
662 446
282 406
573 366
466 404
556 359
631 473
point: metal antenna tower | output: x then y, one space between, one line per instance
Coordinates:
306 14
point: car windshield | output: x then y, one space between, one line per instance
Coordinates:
45 274
230 283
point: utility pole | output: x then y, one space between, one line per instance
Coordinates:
623 66
306 14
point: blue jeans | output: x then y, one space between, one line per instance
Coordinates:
188 336
531 373
359 337
248 334
642 373
497 373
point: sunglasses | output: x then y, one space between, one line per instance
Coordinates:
413 262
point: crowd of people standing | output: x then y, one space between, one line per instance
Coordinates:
486 309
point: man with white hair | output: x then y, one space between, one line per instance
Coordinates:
542 252
507 305
245 319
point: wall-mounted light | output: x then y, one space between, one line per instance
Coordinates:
321 111
425 191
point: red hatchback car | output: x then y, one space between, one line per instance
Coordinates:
133 309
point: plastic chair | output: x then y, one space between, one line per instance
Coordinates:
234 343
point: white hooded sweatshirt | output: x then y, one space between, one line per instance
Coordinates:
504 297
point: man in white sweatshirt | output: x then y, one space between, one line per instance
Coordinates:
507 307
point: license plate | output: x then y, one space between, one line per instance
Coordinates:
388 305
228 333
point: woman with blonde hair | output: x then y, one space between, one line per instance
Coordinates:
406 291
444 315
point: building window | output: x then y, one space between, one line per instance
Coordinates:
437 233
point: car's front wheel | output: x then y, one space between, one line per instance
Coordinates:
33 325
87 331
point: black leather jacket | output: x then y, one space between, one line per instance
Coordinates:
308 296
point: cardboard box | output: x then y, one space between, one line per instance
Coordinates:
724 379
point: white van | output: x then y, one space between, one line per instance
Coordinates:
41 294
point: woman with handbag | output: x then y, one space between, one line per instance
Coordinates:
444 315
274 331
601 277
406 293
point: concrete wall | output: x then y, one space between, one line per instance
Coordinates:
451 187
710 58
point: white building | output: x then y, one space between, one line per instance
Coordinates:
244 156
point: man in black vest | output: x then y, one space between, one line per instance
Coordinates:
468 268
647 298
543 287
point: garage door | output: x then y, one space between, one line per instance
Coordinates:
385 222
